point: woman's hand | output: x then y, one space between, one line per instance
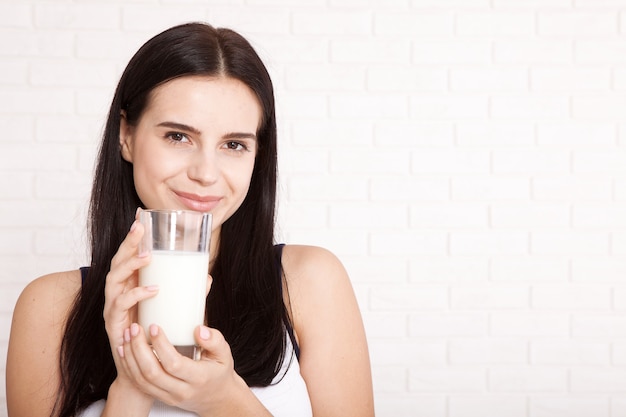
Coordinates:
122 294
209 386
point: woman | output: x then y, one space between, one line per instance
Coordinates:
191 126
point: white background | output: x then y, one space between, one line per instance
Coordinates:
466 160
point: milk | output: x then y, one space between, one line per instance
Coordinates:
178 307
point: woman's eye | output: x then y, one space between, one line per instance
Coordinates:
177 137
236 146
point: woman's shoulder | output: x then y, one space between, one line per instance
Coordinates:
57 290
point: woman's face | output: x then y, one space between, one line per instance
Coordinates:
194 146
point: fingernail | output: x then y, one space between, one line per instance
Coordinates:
120 351
154 330
133 226
134 329
152 288
127 335
204 333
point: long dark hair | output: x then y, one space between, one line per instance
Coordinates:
245 302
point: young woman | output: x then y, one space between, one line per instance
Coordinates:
191 126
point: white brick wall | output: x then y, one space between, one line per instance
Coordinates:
466 159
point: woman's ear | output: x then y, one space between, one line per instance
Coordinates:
126 138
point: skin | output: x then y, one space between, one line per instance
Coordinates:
193 148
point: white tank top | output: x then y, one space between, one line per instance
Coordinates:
286 397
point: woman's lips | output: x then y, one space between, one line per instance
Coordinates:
197 202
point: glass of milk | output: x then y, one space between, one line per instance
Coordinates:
178 242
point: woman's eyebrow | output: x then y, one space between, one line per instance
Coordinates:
179 126
240 135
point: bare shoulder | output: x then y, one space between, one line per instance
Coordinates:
36 332
334 359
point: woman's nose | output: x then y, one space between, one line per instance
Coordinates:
203 167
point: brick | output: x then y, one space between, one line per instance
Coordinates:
570 352
534 215
571 188
16 186
363 162
67 129
448 269
568 406
495 24
619 79
519 379
77 16
389 270
305 106
409 188
25 124
377 216
63 186
343 243
368 106
40 101
446 380
19 42
413 25
531 4
408 298
530 324
604 51
16 15
618 356
544 51
618 406
60 242
305 161
489 243
303 215
411 406
251 20
494 80
559 79
393 352
577 24
325 77
324 188
5 328
137 18
332 22
450 161
531 161
109 46
301 3
87 157
529 269
618 243
600 162
13 72
408 243
390 379
329 133
93 101
488 351
619 298
596 3
447 216
529 107
571 297
597 380
598 107
441 52
489 297
414 134
569 243
487 406
495 135
490 188
599 216
599 326
405 78
444 4
576 134
444 325
381 325
16 242
447 107
25 158
72 74
293 50
370 51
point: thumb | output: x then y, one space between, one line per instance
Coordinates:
213 345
